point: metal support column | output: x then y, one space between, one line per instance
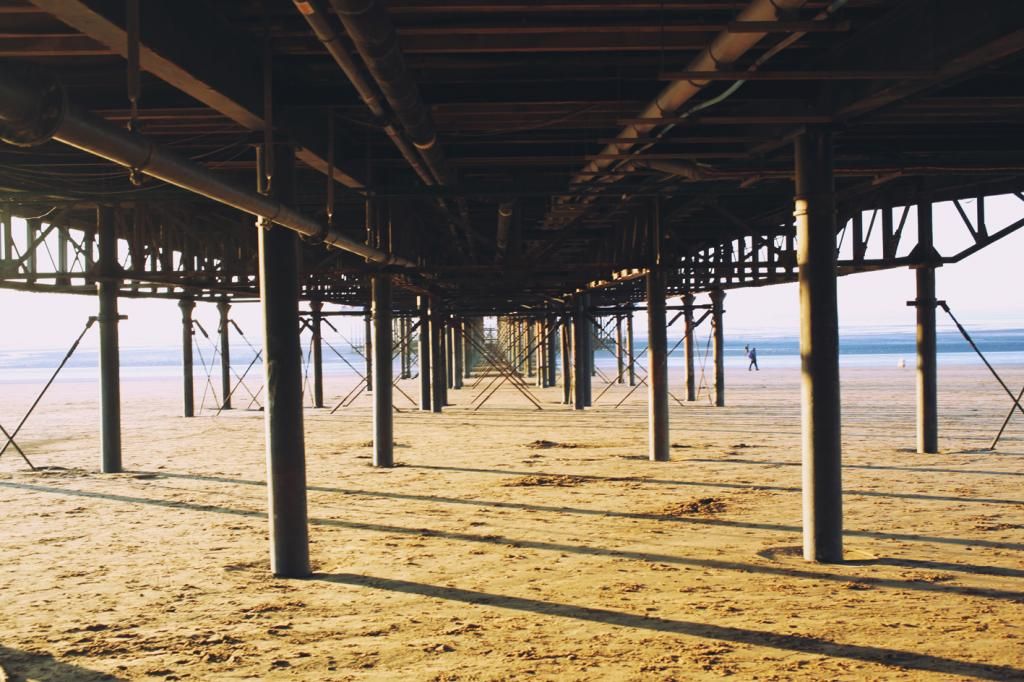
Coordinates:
657 350
588 354
620 359
531 339
424 353
438 371
691 381
927 364
224 308
566 360
815 214
110 363
579 355
187 305
282 372
630 350
316 323
468 352
383 424
552 350
368 348
449 355
458 348
403 347
718 343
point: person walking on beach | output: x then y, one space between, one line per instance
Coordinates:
752 354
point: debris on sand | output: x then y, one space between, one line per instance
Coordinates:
702 506
546 444
554 480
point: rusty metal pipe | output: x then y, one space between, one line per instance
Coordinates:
725 50
34 109
315 15
369 26
505 211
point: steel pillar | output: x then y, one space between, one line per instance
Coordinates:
424 353
458 347
383 424
187 305
620 360
436 344
316 325
368 348
282 371
630 350
657 383
567 392
691 380
579 355
552 350
403 347
927 362
468 352
30 262
223 308
110 363
588 353
449 356
718 345
540 353
815 214
445 360
531 340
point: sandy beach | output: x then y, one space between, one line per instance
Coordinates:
513 543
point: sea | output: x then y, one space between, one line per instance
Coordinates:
890 348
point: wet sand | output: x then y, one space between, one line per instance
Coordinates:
487 556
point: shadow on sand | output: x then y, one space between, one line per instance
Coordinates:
726 486
23 665
775 640
586 550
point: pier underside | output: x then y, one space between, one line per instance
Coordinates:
497 193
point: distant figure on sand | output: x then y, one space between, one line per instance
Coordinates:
752 354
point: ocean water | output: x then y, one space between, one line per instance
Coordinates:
1002 347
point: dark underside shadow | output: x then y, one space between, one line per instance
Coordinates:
787 642
501 540
23 665
647 516
870 467
726 486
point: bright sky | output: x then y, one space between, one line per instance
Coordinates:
982 290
